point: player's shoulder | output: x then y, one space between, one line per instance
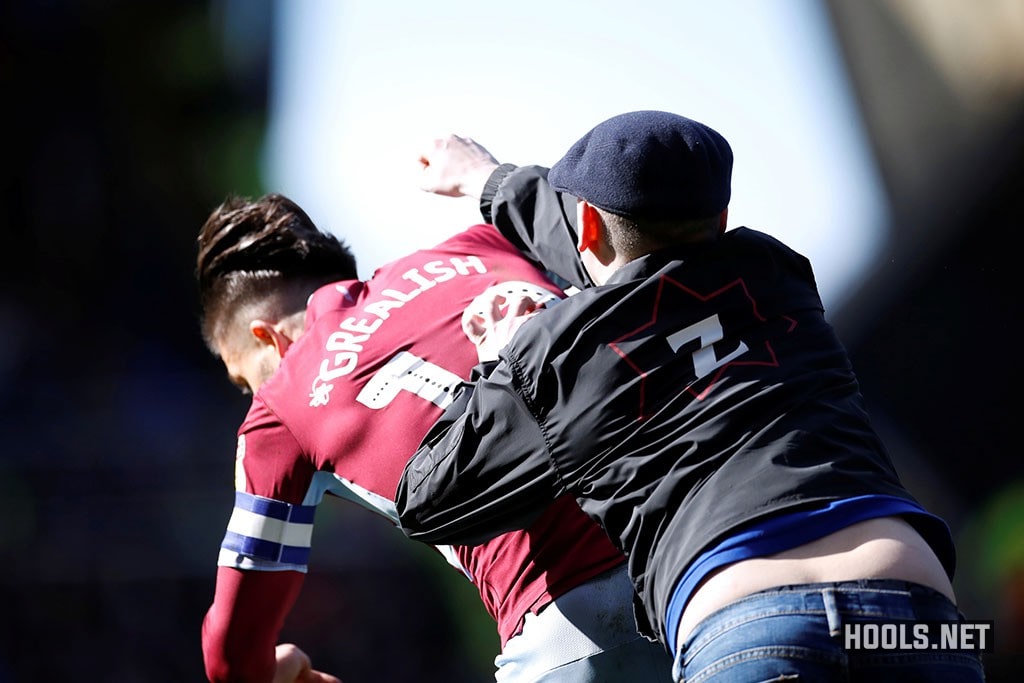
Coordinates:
481 236
264 415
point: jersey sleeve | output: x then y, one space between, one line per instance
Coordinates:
271 524
539 221
242 625
268 534
482 470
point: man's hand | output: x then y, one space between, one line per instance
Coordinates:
496 321
455 166
293 666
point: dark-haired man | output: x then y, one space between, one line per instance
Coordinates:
696 402
346 377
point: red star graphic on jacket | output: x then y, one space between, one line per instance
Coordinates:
714 331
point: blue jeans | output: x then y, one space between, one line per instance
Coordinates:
795 633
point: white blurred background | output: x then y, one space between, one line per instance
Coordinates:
359 87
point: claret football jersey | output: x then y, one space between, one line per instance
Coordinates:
354 396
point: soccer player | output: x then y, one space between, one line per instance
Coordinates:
346 378
694 399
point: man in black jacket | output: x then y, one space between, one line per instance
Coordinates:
695 401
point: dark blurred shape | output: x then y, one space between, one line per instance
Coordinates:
126 123
940 84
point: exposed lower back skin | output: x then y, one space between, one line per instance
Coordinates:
884 548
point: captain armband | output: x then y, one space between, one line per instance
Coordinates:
268 535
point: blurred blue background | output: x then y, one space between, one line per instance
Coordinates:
882 138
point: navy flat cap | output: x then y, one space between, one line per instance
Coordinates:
649 164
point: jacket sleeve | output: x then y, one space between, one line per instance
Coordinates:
482 470
539 221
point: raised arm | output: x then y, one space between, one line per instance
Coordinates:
455 166
517 200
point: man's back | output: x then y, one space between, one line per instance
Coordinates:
698 404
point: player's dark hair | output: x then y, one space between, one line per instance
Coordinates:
263 249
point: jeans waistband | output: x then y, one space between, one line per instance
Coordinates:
878 598
865 589
808 615
865 595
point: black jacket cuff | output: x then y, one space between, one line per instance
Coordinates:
491 188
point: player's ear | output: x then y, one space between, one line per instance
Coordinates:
590 224
270 335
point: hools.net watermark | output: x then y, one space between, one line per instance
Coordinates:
972 636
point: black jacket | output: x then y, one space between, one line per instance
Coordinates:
699 390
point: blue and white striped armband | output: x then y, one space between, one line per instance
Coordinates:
267 535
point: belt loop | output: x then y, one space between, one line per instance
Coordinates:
677 663
828 596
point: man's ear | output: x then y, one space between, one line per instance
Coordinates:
270 335
723 219
590 225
